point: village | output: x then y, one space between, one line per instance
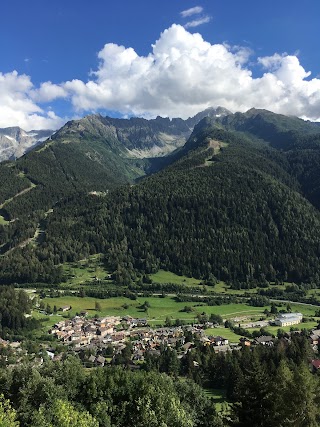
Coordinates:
100 340
98 334
110 335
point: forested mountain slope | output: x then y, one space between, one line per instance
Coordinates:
229 205
300 140
91 155
282 132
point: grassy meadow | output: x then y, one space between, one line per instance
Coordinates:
163 276
225 333
3 221
84 271
159 308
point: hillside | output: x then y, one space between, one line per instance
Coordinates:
230 205
91 155
281 132
233 203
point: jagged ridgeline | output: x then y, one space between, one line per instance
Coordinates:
91 154
238 201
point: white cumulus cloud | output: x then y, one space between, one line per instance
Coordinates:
182 75
48 92
17 108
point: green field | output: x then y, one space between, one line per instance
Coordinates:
236 310
224 333
223 288
219 399
272 330
306 310
167 277
48 321
159 309
3 221
84 271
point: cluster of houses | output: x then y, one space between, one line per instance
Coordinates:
97 334
81 331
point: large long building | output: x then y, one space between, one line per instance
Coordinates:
288 319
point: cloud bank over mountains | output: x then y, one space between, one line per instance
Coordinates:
182 75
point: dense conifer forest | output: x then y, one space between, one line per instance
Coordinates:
230 206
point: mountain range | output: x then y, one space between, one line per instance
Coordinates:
15 142
231 196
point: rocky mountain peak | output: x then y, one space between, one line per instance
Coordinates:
15 142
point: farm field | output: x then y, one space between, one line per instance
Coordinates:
228 311
162 308
47 320
272 330
305 309
159 308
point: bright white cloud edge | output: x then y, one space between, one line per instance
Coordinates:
18 108
182 75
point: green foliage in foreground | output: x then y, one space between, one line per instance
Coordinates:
62 395
7 414
63 414
289 398
264 387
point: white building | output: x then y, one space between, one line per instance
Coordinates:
288 319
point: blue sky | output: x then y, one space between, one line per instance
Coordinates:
67 58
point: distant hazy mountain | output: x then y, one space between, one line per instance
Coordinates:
15 142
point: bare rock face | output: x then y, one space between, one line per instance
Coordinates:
15 142
136 137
